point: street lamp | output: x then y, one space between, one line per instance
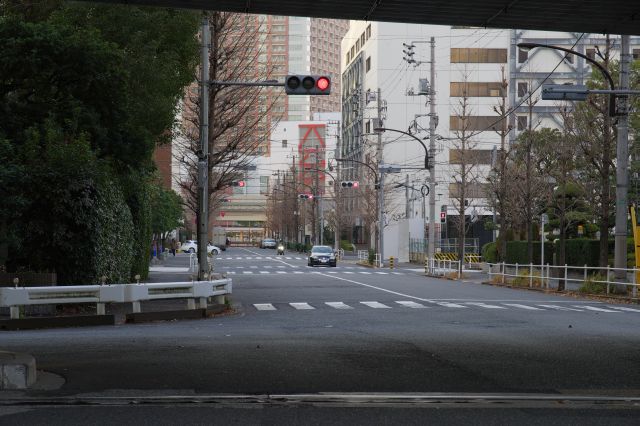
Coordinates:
321 213
622 143
426 150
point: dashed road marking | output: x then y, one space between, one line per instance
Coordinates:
301 306
410 304
338 305
517 305
451 305
621 308
264 272
281 272
247 272
376 305
382 273
264 306
484 305
560 308
593 308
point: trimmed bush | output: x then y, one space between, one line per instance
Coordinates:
584 251
372 257
490 252
517 252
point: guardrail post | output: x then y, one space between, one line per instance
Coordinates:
634 290
585 273
14 312
608 271
203 302
530 274
136 307
191 303
566 276
100 309
548 276
516 269
504 271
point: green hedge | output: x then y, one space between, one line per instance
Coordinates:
517 252
584 251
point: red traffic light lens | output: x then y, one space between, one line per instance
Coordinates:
322 83
356 184
241 183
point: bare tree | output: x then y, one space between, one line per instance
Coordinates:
238 115
464 161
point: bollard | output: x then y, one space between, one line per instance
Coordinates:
426 266
391 262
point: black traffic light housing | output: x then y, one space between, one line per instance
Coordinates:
305 196
350 184
239 183
307 85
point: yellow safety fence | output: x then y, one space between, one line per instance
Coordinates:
468 258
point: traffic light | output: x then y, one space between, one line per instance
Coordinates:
443 217
307 85
239 183
350 184
305 196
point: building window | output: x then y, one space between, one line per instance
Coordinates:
367 127
284 143
478 56
523 89
475 90
264 184
591 53
368 64
523 55
522 122
362 39
368 31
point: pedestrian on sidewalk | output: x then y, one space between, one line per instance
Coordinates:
173 247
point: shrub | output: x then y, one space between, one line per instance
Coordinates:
517 252
593 286
522 280
372 257
346 245
490 252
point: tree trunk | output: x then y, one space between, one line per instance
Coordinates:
605 195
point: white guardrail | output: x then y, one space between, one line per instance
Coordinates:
15 297
440 267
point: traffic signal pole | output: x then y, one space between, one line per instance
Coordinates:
203 155
380 159
431 249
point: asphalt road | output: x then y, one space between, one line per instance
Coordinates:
350 329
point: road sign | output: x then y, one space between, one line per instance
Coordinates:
564 92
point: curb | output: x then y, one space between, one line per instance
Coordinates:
56 322
568 293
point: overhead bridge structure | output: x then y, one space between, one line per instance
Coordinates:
590 16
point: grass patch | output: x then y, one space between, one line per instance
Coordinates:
593 286
523 279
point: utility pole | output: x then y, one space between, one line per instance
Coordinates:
203 155
297 202
318 200
620 250
407 209
380 160
433 118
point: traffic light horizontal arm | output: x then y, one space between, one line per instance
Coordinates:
265 83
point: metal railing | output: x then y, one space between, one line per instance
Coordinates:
547 276
363 255
16 297
440 268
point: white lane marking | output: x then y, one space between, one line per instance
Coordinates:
517 305
288 258
281 272
348 267
239 258
332 272
410 304
258 258
560 308
484 305
231 272
253 266
299 258
298 272
349 272
335 277
623 309
363 272
593 308
338 305
268 266
240 267
264 272
247 272
301 305
264 306
451 305
398 273
376 305
382 273
279 266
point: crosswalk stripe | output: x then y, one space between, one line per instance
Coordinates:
301 305
338 305
364 272
484 305
398 273
624 309
410 304
298 258
517 305
451 305
264 272
259 258
247 272
332 272
560 308
231 272
382 273
593 308
288 258
264 306
376 305
298 272
349 272
281 272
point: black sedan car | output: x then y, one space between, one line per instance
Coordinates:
322 255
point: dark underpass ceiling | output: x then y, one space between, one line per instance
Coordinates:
590 16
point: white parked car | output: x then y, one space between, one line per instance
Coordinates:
191 246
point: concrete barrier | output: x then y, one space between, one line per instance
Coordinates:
17 370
